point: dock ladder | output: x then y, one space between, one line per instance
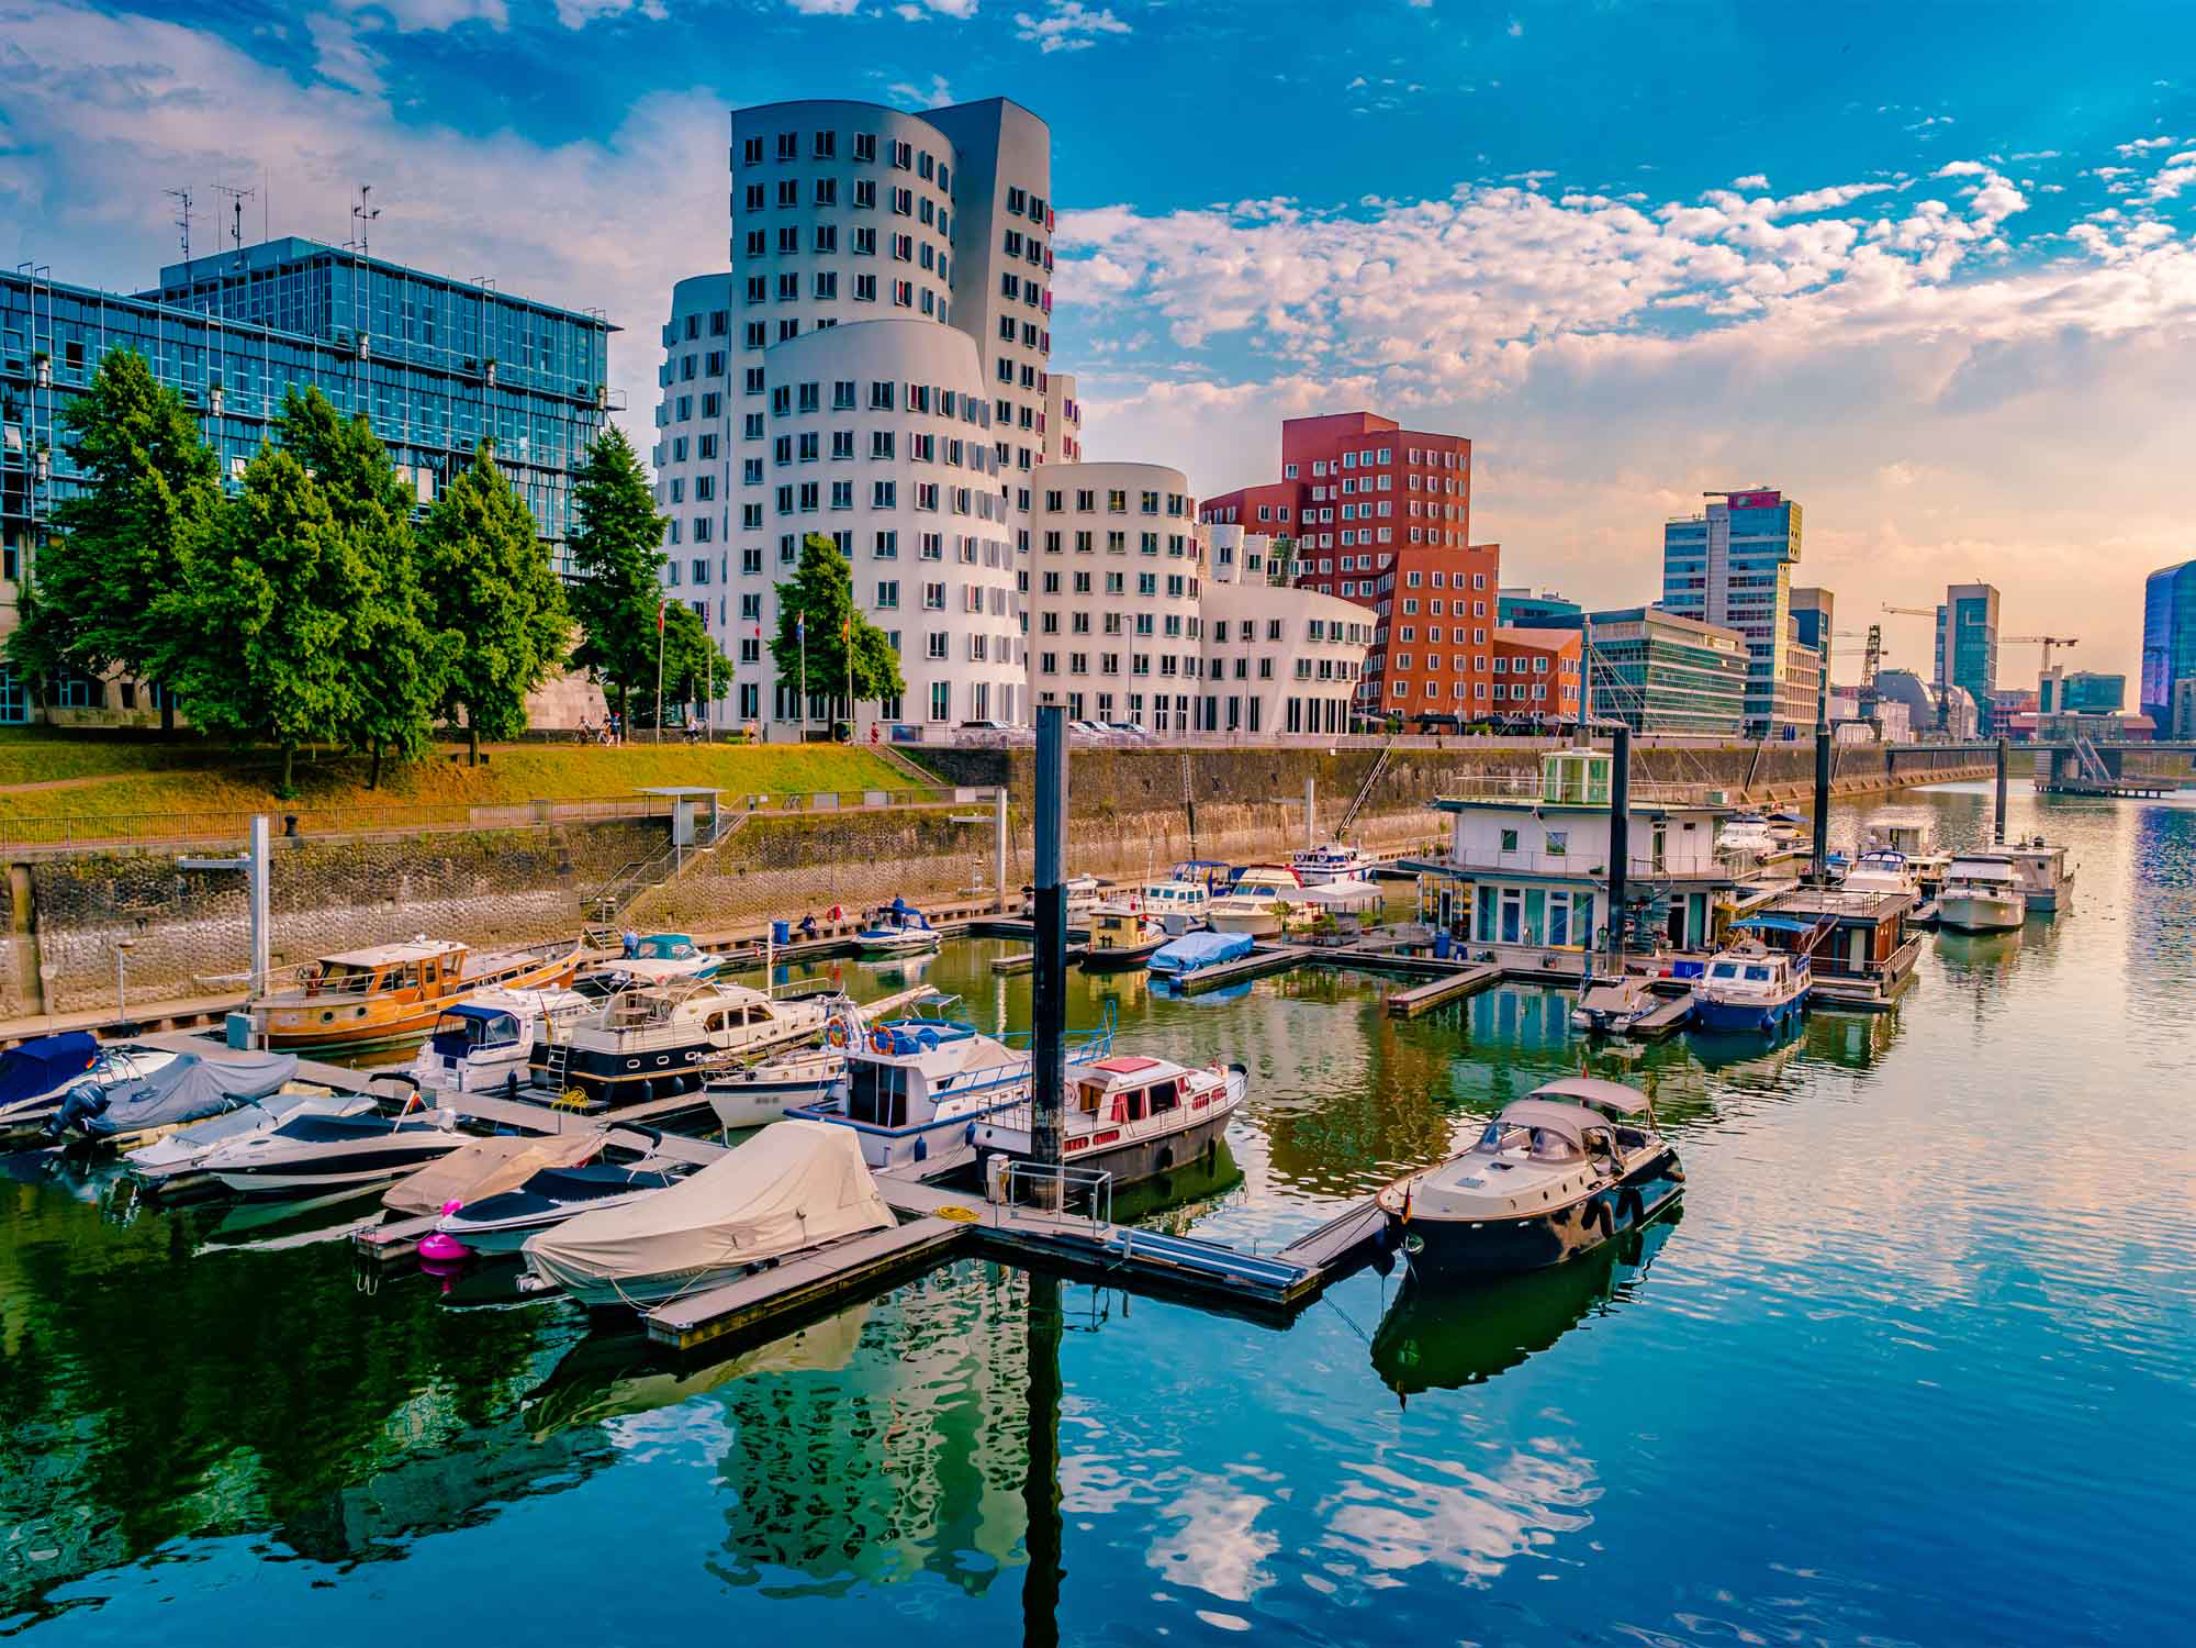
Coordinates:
1365 790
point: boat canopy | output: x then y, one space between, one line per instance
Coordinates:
792 1186
470 1025
183 1090
1608 1097
43 1063
1777 921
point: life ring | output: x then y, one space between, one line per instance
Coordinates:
835 1036
880 1041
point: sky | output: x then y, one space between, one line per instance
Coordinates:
1928 267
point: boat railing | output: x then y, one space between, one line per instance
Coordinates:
1056 1191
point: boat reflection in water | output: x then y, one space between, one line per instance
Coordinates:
1446 1334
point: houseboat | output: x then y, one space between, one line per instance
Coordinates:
1178 906
1859 949
1555 1175
2044 873
1121 939
1749 989
1128 1116
650 1041
362 998
1981 894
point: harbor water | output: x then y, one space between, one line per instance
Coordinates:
1916 1363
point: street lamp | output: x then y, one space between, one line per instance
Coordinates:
122 949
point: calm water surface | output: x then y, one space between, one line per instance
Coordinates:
1916 1364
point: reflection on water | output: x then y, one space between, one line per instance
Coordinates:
1907 1237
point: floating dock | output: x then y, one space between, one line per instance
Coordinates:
1467 979
804 1282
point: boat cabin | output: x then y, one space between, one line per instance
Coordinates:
1176 905
426 967
1126 1089
471 1028
1856 942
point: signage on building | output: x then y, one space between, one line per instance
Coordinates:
1756 500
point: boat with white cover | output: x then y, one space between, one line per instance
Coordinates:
1981 894
1556 1174
792 1187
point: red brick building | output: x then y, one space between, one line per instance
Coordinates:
1536 673
1381 515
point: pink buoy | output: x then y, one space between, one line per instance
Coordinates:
443 1249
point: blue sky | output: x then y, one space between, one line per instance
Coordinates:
1926 266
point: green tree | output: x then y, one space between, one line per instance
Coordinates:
617 560
402 663
821 593
150 487
693 664
493 594
258 636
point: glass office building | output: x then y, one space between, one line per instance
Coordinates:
1967 642
436 364
1731 565
2169 640
1658 672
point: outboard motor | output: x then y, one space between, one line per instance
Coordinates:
79 1104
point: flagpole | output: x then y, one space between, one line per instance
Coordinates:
800 628
659 671
846 645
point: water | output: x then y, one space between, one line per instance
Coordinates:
1914 1365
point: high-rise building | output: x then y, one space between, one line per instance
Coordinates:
2087 692
2169 639
1661 673
437 364
1536 609
1731 565
1381 515
1967 643
923 242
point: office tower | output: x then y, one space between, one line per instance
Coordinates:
1731 565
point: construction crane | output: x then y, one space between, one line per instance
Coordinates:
1943 707
2047 642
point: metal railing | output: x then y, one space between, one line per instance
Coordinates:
1054 1192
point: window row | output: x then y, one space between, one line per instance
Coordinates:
861 147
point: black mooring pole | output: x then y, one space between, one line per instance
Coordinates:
1620 835
1998 818
1049 993
1822 804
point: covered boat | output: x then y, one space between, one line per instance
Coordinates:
793 1186
503 1222
1556 1174
175 1162
1194 952
34 1074
487 1167
119 1103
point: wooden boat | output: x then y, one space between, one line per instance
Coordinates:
1121 939
361 998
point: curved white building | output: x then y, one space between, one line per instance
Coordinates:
1116 578
1276 659
846 214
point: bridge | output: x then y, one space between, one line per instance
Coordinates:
2084 766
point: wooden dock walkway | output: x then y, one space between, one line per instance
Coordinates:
1466 979
804 1282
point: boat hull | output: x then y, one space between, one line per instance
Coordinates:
1495 1247
883 949
1255 923
332 1172
1134 1161
1967 913
1125 958
757 1104
1747 1018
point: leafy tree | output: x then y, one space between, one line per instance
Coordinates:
151 486
258 635
617 560
692 662
493 594
821 592
402 663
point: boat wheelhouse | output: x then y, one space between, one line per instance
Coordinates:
1121 939
391 992
1128 1116
1178 906
1749 989
650 1042
2043 872
1859 949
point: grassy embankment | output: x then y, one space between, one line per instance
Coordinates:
44 778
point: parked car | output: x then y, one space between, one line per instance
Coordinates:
1134 731
1096 731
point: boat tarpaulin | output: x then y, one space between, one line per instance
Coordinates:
43 1065
792 1186
183 1090
1193 951
1777 921
487 1167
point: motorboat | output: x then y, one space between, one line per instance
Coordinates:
475 1047
1883 870
1789 830
1332 862
661 958
311 1153
35 1073
2043 872
502 1223
1257 901
1121 939
1194 952
648 1042
899 929
916 1086
1749 989
176 1162
1981 894
1555 1175
1748 833
1178 906
117 1103
1914 836
1614 1006
1129 1116
757 1094
363 998
488 1165
1084 894
790 1188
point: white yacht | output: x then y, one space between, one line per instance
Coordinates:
480 1045
1748 833
2044 873
1129 1116
314 1151
1178 906
646 1042
1883 870
1317 866
1914 836
1256 902
1981 894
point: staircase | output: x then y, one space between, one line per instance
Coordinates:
1365 790
2092 763
601 907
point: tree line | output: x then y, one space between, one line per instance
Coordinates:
309 607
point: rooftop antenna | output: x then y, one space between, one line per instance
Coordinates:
182 198
236 198
362 219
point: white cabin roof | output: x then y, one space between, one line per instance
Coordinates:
384 955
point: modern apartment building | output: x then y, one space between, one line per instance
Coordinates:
437 364
877 224
1731 565
1659 672
2169 642
1536 673
1276 659
1967 643
2087 692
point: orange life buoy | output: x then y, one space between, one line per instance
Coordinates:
880 1041
836 1035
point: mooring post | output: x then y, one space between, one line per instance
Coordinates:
998 849
1049 993
1620 835
1822 804
256 874
1311 813
1997 825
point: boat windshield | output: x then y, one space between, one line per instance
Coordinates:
1723 970
1757 975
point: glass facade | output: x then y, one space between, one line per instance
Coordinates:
1732 566
2169 638
2086 692
1661 673
1967 642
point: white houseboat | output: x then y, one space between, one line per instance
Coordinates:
1981 894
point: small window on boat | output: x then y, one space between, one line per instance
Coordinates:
1757 975
1723 970
1165 1096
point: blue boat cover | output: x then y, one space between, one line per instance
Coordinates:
1775 922
43 1064
185 1090
1195 951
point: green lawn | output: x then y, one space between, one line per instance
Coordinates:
43 777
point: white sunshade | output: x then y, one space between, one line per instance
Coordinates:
1608 1097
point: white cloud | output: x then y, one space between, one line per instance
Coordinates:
826 8
2142 144
936 95
2177 174
1752 180
1067 25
